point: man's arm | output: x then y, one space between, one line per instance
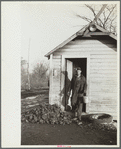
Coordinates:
85 88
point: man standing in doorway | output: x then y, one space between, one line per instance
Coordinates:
79 87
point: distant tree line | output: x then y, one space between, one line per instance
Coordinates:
39 76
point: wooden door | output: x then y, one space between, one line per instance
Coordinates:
69 75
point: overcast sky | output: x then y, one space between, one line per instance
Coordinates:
47 25
44 24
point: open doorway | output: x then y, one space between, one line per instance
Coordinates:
71 65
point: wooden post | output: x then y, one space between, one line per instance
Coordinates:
96 17
51 79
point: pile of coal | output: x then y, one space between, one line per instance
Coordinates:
46 113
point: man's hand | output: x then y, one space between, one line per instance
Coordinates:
68 94
81 95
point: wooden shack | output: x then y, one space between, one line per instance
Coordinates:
96 53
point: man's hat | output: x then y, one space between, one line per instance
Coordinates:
78 68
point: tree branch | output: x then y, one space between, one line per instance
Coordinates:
84 18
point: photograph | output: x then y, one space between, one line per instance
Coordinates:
68 72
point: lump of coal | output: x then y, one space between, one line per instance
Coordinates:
46 113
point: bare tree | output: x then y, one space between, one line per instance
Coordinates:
23 73
108 18
39 76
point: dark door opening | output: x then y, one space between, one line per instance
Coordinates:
71 65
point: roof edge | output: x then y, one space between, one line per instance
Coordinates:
104 30
76 34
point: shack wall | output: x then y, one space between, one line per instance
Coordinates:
102 84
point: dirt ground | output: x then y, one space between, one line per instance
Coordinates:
47 134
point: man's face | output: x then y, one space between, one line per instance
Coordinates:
79 72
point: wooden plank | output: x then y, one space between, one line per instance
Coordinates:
101 93
103 89
103 67
110 52
98 107
103 98
57 56
90 49
103 110
105 102
98 33
99 13
106 79
96 60
56 60
100 56
103 75
56 65
51 80
99 81
113 65
91 41
102 63
92 45
103 30
102 85
105 71
95 33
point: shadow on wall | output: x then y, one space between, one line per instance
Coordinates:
65 91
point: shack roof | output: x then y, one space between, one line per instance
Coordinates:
80 32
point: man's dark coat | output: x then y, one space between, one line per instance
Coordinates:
78 86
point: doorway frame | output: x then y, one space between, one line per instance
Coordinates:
63 68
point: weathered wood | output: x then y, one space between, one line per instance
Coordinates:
88 46
56 56
88 49
102 85
56 60
105 71
103 89
98 33
99 13
96 60
100 56
56 63
103 75
103 30
103 81
105 102
103 98
87 52
103 66
91 41
51 80
102 108
101 93
96 17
